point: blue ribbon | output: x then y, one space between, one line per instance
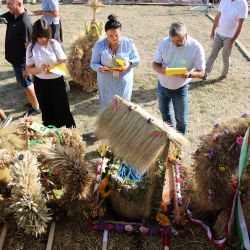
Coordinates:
126 171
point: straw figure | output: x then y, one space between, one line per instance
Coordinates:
81 51
134 135
137 141
28 203
216 169
74 173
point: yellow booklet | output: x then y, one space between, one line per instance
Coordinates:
175 71
59 68
118 64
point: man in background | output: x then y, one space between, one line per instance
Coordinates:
18 35
178 50
226 28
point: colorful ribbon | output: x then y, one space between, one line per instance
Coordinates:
33 141
159 133
236 208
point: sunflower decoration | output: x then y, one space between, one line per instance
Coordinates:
104 188
163 207
162 219
102 150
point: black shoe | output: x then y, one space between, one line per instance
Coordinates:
33 112
28 105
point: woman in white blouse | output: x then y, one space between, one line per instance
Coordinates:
41 54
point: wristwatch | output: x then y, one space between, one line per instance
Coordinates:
189 75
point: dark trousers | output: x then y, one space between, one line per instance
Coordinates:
53 101
56 32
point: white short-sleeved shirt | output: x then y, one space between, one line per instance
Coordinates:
49 54
231 12
191 56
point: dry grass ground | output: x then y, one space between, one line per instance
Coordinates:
209 102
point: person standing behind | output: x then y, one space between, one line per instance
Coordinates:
18 34
4 119
177 50
105 51
228 22
41 54
50 13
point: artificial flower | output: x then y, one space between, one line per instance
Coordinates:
143 229
128 228
222 168
215 137
171 159
162 219
163 207
119 228
240 140
210 154
109 227
153 229
104 188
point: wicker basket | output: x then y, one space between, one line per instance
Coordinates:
139 207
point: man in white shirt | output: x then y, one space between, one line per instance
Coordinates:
178 50
228 22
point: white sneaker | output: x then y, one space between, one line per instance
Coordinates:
6 121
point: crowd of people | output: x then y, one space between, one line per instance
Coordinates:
38 47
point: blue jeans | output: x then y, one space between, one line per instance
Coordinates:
179 99
19 69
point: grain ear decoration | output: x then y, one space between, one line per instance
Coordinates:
134 135
75 174
28 202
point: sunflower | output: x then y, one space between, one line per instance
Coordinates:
102 150
162 219
163 207
104 188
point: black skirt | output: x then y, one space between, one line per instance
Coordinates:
53 102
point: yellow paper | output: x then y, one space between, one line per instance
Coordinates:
60 68
175 71
118 64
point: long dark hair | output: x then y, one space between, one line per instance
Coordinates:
112 23
40 28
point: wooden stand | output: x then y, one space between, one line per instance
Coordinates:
3 235
51 235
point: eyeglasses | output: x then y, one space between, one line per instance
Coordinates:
178 41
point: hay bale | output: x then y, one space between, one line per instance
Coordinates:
80 56
134 135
